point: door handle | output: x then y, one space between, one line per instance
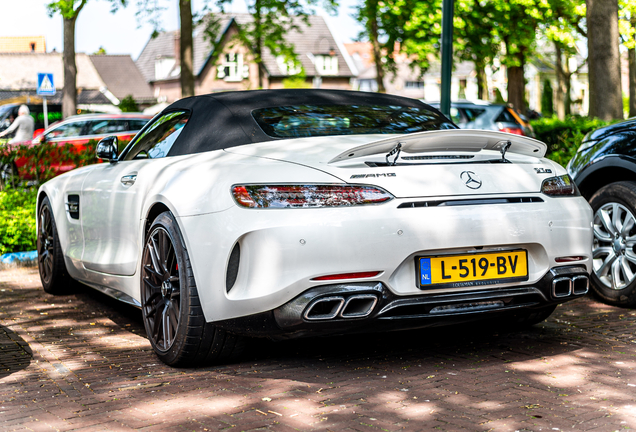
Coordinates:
129 180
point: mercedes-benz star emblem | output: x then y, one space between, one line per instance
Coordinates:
470 179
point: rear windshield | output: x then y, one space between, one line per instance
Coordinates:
323 120
506 117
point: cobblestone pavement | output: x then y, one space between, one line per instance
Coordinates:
81 362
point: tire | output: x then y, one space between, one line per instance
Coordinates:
613 278
53 274
171 309
530 317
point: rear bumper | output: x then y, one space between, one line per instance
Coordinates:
369 307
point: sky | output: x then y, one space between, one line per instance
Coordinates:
122 32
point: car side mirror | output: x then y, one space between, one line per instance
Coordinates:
107 149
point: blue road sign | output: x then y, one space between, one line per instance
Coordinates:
46 87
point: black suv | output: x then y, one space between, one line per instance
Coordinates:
604 169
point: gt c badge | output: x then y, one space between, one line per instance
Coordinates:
543 171
470 179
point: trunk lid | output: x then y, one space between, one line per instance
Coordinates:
429 164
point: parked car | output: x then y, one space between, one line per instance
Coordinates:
9 112
488 116
604 168
290 213
79 131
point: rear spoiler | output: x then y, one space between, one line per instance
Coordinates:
468 140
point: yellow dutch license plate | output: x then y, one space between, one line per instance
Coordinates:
472 269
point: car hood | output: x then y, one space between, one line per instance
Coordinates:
438 163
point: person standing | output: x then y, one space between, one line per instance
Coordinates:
24 125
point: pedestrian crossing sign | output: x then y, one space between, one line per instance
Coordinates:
46 87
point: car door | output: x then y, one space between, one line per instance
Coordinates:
113 197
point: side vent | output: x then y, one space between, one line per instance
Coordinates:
232 267
73 206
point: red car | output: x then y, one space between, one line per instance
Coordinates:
79 131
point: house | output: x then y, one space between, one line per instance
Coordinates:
122 78
227 64
22 44
408 81
19 72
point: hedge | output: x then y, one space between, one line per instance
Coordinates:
564 137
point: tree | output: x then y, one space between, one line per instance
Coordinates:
606 101
547 107
563 27
186 53
271 21
400 27
476 39
128 104
151 10
70 9
627 28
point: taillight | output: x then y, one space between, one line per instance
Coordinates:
516 131
559 186
307 196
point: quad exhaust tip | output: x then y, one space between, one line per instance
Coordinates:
566 286
327 308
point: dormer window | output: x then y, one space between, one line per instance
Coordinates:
163 67
232 69
326 64
288 67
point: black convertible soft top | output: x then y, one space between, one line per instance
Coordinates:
223 120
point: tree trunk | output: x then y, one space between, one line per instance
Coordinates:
560 93
375 44
258 48
517 87
482 81
632 81
567 87
606 101
69 95
185 49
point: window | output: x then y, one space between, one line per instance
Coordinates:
232 68
157 140
326 65
414 85
506 117
325 120
472 113
103 127
163 67
288 67
67 130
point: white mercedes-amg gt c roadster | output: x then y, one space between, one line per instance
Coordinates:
292 213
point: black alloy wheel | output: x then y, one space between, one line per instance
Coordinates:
161 290
53 274
172 313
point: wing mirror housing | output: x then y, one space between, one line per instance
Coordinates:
107 149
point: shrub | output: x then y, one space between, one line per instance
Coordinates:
564 137
17 220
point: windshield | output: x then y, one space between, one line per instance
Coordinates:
324 120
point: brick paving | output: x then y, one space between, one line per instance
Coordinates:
81 362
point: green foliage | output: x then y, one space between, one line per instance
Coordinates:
547 96
564 137
17 220
296 81
128 104
100 51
